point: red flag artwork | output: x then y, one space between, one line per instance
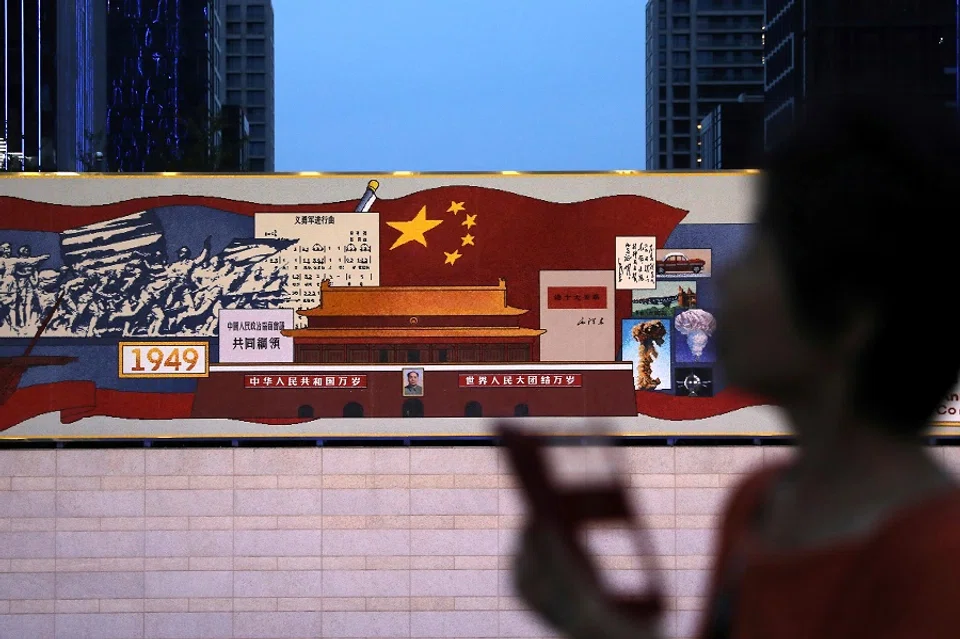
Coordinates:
446 236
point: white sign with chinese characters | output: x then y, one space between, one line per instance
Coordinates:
636 263
253 335
341 247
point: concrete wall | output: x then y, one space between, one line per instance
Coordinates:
312 542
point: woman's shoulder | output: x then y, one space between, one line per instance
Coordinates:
932 523
750 493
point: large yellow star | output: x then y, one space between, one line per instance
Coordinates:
455 207
413 231
470 222
452 257
467 239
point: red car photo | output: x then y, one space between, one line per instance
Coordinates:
679 263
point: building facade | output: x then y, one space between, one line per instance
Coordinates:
414 351
731 137
52 83
413 325
814 47
163 80
250 74
233 138
699 53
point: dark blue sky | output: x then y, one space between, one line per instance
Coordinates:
459 85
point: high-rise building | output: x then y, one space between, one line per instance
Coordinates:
816 47
731 136
234 138
50 89
250 75
700 53
164 86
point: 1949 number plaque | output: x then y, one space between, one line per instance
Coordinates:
164 359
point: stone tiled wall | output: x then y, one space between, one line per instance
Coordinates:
325 542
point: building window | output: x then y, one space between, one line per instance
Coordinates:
258 165
255 47
662 40
233 12
681 6
234 46
257 148
256 63
234 80
258 131
256 12
305 412
256 28
413 407
681 161
681 57
473 409
681 126
384 356
256 98
681 75
682 24
353 410
681 41
234 63
234 97
256 114
256 80
662 22
234 28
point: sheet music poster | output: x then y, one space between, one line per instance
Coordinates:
341 247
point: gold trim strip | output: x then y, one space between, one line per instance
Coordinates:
385 175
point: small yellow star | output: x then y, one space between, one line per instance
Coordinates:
470 222
455 207
452 257
467 239
413 230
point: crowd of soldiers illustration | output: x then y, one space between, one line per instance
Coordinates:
146 294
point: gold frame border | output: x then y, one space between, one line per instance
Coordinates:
382 174
206 360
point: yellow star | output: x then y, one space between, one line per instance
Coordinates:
467 239
452 257
455 207
470 222
413 231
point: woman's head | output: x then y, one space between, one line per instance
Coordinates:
848 277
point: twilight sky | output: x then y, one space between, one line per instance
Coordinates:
459 85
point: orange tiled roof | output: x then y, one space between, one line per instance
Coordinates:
443 332
412 301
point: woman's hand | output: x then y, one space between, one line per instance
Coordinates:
559 589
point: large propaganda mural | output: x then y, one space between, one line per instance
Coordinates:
464 298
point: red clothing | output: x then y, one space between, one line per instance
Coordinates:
901 582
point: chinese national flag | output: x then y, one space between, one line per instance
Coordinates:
475 236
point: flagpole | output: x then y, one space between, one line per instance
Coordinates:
369 197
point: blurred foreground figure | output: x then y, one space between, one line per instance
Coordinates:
836 312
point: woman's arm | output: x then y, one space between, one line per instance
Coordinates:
555 586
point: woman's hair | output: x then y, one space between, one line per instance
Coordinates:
862 205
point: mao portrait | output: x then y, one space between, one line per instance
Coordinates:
413 382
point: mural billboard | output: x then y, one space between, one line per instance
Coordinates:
196 306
